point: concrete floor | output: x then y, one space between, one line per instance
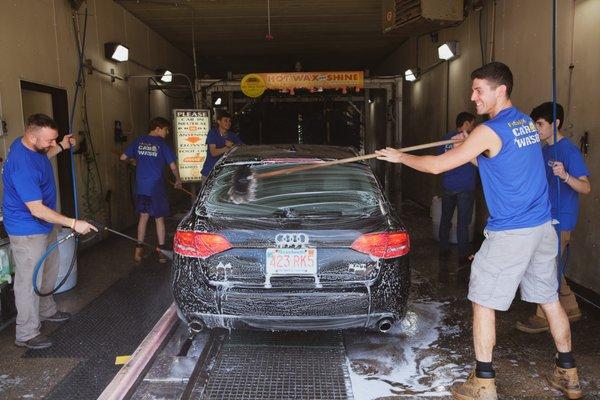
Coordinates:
420 357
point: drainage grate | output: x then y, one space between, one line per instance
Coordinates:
273 370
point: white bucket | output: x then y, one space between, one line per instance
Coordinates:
436 216
65 252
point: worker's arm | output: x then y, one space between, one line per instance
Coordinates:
217 151
480 140
175 171
66 143
39 210
580 185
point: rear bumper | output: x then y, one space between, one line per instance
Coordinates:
331 307
283 323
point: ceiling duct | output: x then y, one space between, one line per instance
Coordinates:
415 17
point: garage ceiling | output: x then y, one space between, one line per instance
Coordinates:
231 34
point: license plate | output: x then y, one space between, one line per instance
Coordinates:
291 261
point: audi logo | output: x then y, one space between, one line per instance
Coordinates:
291 240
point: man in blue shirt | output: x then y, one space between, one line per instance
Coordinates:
218 142
31 222
151 153
520 248
567 175
459 192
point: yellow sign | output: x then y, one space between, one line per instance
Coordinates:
253 85
191 129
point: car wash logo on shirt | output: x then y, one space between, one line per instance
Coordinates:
147 149
525 132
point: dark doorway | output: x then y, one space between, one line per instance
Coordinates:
38 101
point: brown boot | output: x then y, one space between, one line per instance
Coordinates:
565 380
475 389
138 254
162 258
534 324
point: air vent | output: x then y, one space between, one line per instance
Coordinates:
412 17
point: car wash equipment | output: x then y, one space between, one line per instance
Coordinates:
243 181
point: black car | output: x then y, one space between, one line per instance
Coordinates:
315 250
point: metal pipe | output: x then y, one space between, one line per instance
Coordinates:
385 324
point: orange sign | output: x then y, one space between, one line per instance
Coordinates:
310 80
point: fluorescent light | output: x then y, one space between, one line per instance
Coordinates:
410 75
448 50
218 101
167 76
116 52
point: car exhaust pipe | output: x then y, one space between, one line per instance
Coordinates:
385 324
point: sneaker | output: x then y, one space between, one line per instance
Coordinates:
58 316
565 380
162 258
37 343
138 254
534 324
475 388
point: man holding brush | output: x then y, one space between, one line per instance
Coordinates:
521 244
150 153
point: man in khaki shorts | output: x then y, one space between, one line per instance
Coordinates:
29 219
521 245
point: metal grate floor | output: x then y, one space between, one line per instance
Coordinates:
279 371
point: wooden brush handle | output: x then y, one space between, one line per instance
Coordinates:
307 167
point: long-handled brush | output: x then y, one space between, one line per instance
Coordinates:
243 181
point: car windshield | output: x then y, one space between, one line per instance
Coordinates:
334 191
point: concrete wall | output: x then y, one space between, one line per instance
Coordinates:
37 44
522 39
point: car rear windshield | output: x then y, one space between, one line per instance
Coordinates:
334 191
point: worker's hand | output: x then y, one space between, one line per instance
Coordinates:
83 227
462 135
67 142
389 154
559 170
178 184
229 143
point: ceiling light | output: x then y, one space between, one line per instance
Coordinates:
218 101
410 75
116 52
448 50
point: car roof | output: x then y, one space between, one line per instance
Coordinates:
287 151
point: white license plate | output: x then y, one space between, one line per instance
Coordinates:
291 261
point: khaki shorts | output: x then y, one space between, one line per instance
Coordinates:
517 258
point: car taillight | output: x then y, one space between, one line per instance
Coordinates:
383 245
199 244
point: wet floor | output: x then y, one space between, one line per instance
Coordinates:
419 358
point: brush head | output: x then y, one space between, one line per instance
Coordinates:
243 186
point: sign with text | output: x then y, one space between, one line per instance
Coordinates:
191 128
254 85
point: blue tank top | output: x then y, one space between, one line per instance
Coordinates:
514 181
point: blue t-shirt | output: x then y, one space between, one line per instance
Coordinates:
459 179
151 154
27 176
514 181
573 162
214 137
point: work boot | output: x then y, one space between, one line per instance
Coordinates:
565 380
36 343
58 316
475 388
534 324
162 258
138 254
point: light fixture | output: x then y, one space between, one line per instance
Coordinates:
167 76
218 101
448 50
410 75
116 52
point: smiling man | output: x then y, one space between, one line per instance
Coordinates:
521 245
